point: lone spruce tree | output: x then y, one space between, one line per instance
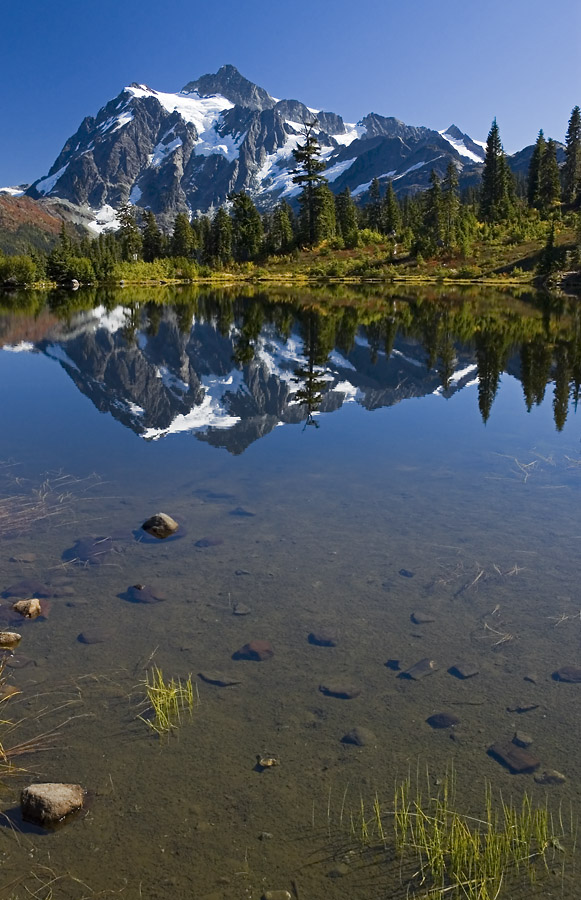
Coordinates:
308 176
572 167
495 198
534 182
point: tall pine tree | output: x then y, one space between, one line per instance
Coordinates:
572 167
534 182
495 197
308 176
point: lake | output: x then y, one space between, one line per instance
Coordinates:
365 479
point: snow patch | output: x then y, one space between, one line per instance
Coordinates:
333 172
105 219
210 413
22 347
45 185
12 191
361 188
55 351
460 147
161 151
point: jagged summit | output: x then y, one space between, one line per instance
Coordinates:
234 87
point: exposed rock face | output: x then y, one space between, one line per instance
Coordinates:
47 804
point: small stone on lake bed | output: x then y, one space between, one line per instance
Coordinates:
550 776
463 670
9 639
48 804
23 557
571 674
323 637
256 650
420 669
30 609
360 737
240 511
405 573
340 690
276 895
208 542
28 588
522 739
160 526
523 707
219 679
142 593
422 618
516 759
442 720
240 609
94 636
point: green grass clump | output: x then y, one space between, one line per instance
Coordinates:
444 853
167 701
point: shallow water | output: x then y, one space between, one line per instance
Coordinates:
384 470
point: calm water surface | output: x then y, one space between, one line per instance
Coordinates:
394 455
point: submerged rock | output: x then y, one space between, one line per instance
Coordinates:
276 895
240 511
240 609
9 640
142 593
522 739
219 679
420 669
516 759
255 650
23 557
91 551
323 637
463 670
442 720
422 618
340 690
360 737
30 609
47 804
571 674
160 526
94 636
405 573
209 542
27 589
550 776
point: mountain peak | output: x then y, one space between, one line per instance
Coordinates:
228 82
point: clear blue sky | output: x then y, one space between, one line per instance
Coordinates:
426 62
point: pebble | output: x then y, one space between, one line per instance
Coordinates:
420 669
522 739
28 588
523 707
442 720
277 895
256 650
240 511
265 836
530 677
9 640
240 609
516 759
360 737
339 871
23 557
405 573
219 679
142 593
18 661
571 674
422 618
160 526
339 690
323 637
242 572
94 636
550 776
30 609
463 670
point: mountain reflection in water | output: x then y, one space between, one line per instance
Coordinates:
230 366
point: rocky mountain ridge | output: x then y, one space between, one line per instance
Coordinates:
185 152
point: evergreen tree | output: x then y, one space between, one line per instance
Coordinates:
550 180
391 213
247 230
221 237
280 236
183 239
534 182
151 237
495 199
324 208
308 176
374 211
432 224
129 234
572 167
450 206
346 218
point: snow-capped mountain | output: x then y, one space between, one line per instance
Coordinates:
185 152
